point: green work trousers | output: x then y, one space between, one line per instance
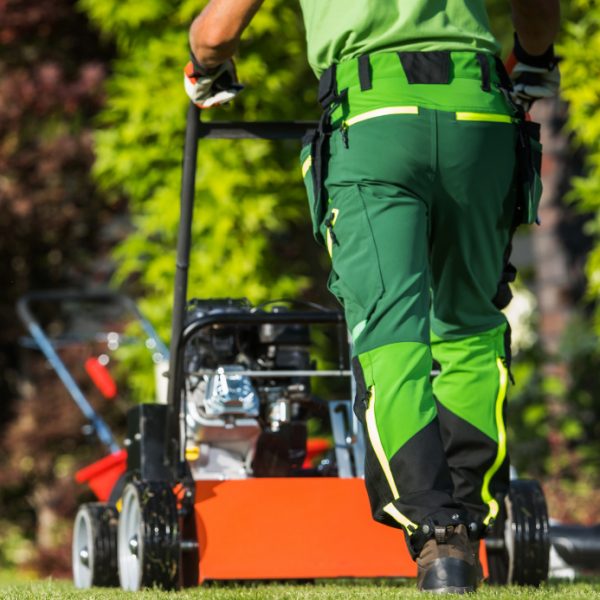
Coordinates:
416 213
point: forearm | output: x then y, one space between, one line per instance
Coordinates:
536 22
216 31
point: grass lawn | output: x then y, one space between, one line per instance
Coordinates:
326 590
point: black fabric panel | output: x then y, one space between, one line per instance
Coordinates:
426 67
509 273
470 454
421 463
327 86
364 73
508 360
503 292
423 478
420 471
544 61
362 394
484 65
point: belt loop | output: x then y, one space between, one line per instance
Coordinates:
364 73
329 98
484 65
328 86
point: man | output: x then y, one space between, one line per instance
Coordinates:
415 190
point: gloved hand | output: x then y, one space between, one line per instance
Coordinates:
211 87
533 77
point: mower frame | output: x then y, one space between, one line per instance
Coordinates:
181 331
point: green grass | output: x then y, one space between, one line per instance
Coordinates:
384 590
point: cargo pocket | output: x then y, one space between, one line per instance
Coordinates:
316 205
529 172
355 277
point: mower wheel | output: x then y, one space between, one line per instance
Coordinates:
148 536
94 546
518 547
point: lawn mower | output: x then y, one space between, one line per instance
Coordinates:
223 481
91 327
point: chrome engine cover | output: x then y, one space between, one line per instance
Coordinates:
229 394
222 424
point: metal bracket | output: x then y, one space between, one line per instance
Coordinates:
348 438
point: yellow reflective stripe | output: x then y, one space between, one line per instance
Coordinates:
391 510
501 455
306 165
486 117
383 112
375 440
335 212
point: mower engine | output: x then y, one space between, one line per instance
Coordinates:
245 418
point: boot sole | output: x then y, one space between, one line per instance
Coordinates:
449 575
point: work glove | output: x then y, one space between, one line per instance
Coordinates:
211 87
533 77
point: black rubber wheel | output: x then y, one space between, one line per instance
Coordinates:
94 546
519 545
148 537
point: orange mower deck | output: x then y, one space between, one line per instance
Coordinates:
282 528
294 528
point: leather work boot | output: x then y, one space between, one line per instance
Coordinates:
446 564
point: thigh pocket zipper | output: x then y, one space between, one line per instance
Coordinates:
355 277
331 238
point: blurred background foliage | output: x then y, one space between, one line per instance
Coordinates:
99 82
248 193
581 88
56 230
575 466
249 238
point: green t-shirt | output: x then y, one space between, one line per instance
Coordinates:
339 30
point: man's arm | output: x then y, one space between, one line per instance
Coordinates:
216 31
537 23
533 65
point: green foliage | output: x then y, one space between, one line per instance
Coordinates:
15 549
580 425
528 424
563 440
52 68
581 88
499 13
248 193
580 68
